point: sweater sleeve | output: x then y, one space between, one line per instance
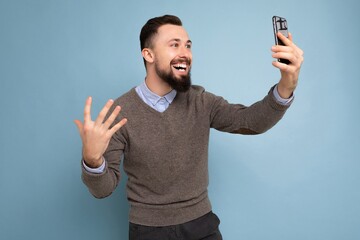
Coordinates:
237 118
103 184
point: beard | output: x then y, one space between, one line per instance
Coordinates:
180 84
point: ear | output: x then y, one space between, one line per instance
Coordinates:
148 55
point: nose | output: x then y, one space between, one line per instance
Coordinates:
185 52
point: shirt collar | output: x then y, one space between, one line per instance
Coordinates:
153 97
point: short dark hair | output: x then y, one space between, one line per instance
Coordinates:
149 30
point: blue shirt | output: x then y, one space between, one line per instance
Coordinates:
158 103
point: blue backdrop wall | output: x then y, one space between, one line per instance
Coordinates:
300 180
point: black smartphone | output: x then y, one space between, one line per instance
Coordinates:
280 25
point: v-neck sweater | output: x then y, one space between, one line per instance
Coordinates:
165 154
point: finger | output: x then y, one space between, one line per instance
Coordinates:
284 55
295 47
289 48
299 51
87 110
79 125
290 37
117 126
100 119
280 48
112 117
281 66
284 39
293 54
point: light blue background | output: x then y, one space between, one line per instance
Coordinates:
300 180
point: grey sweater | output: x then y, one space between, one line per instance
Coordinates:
166 154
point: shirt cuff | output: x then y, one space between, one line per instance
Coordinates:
282 101
95 170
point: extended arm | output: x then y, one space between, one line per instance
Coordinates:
290 72
96 136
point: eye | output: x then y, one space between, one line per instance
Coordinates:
175 45
188 46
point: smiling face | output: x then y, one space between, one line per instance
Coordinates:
172 56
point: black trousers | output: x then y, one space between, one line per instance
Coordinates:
204 228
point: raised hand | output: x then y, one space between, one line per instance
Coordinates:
290 72
96 135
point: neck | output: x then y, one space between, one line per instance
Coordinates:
157 85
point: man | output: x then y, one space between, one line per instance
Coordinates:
165 140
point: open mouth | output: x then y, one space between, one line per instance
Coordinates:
180 67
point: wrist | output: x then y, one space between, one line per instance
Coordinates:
94 163
285 92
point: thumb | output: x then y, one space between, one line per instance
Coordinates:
79 126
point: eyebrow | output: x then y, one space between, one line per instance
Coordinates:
179 40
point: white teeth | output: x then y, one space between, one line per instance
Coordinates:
181 65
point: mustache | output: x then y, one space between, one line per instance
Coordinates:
181 60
